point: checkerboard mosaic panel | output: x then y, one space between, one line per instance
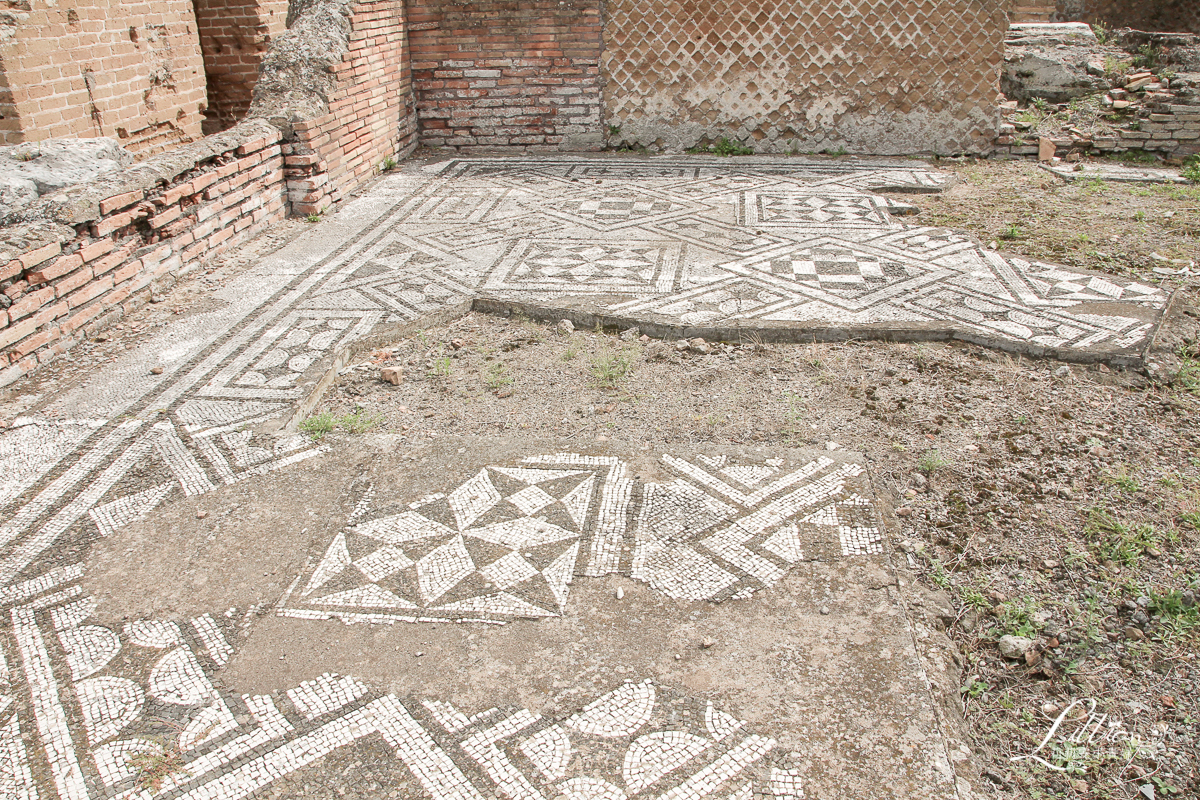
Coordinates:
695 241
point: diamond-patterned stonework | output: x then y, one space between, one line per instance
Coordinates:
878 76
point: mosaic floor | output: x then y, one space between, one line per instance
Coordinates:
697 242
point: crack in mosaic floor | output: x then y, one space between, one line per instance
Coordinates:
686 241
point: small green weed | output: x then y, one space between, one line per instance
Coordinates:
1116 66
1175 607
836 152
1122 479
1191 169
153 767
723 147
1103 32
313 218
793 415
726 147
1188 375
1137 157
1111 540
358 421
497 376
1011 232
1147 56
974 689
614 130
938 574
930 462
610 368
974 598
318 425
440 368
1020 616
388 164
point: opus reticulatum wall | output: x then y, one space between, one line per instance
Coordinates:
865 76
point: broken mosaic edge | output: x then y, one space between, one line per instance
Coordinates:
321 375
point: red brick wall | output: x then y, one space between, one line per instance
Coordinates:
60 282
234 36
129 70
101 246
371 116
490 73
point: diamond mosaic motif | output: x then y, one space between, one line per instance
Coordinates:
723 527
677 239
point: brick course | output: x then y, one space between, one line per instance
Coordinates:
104 245
102 68
496 73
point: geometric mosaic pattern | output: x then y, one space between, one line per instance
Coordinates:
696 241
507 542
146 690
811 246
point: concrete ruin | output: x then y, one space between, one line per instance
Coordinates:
303 102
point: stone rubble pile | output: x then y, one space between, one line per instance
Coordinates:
1153 108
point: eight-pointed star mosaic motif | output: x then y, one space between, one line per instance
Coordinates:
692 241
507 542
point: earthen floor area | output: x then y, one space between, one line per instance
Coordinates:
193 608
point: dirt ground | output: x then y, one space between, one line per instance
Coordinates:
1057 503
1108 226
1052 502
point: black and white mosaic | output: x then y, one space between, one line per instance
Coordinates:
507 543
146 695
695 241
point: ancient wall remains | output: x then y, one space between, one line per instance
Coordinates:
234 36
1032 11
1142 15
866 76
338 84
496 73
83 68
98 249
333 103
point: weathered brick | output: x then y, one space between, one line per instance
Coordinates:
42 254
60 266
118 201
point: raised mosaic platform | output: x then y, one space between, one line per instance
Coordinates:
532 534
